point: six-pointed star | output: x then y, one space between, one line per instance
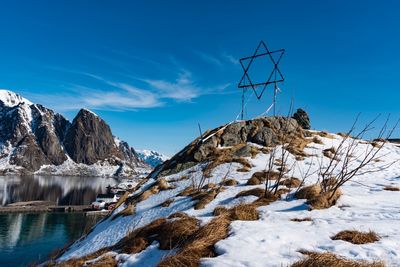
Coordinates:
275 76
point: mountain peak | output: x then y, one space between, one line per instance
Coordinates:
12 99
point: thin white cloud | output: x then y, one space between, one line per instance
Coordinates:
209 58
115 95
230 58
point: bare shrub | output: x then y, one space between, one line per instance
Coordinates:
343 165
357 237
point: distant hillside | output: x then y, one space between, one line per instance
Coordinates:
151 157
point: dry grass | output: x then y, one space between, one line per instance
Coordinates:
244 212
129 210
328 259
175 233
230 182
316 198
204 198
149 192
308 192
324 200
106 261
344 135
78 262
291 182
200 245
329 152
297 145
316 140
209 186
140 238
325 134
258 192
259 177
167 202
163 185
226 155
187 191
253 181
254 151
306 219
357 237
391 188
178 215
122 199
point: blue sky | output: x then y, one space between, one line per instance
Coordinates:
155 69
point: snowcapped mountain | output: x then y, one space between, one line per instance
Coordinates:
151 157
230 199
35 139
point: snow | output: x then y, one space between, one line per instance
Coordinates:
274 240
151 157
11 99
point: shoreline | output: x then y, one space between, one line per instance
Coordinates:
43 206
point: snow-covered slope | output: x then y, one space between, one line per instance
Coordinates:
35 139
274 239
151 157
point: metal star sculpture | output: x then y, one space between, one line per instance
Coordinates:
274 77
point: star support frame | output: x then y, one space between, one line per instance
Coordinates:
274 77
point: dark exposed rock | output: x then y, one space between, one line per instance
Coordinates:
89 139
262 131
302 119
28 154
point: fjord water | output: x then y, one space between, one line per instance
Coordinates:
27 238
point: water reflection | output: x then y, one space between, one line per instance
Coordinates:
61 190
25 238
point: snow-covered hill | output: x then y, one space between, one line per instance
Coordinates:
35 139
208 204
151 157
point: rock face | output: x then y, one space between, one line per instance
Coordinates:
32 136
302 119
262 131
88 139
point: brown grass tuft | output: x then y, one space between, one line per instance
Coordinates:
244 212
325 134
176 232
178 215
316 140
129 210
105 261
328 259
230 182
253 181
308 192
306 219
167 202
187 191
226 155
122 199
291 182
204 198
258 192
329 152
391 188
200 245
324 200
357 237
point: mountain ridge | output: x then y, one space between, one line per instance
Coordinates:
35 139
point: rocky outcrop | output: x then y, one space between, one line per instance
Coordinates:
265 131
302 119
89 139
32 136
